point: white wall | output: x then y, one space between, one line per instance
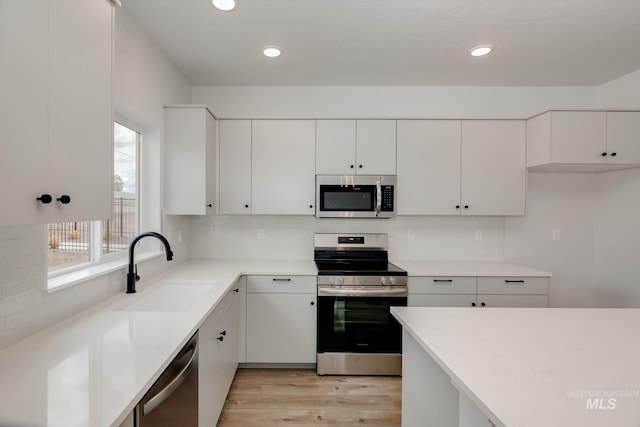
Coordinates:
143 82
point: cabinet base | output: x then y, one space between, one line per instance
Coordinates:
359 364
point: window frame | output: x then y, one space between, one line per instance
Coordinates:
95 255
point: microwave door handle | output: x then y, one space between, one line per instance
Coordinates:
378 198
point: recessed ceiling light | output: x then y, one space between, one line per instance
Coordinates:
225 5
271 51
481 50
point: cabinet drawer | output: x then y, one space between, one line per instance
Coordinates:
282 284
513 285
442 285
512 301
441 300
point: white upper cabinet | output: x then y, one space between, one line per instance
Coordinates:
283 167
468 167
235 166
428 167
347 147
493 167
57 117
190 160
583 141
376 147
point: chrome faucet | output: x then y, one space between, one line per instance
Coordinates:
132 276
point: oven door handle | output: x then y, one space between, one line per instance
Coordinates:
361 292
378 198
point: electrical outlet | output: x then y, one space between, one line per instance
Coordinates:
555 235
411 234
261 234
478 234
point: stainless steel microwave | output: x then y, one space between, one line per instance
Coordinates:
355 196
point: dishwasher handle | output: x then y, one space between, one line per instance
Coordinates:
163 394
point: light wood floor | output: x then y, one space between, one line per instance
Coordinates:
295 397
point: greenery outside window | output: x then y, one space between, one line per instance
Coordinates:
71 245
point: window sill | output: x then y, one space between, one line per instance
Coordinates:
95 270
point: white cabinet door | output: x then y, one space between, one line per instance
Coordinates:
283 167
281 328
23 151
80 109
190 145
57 120
441 300
376 147
493 167
336 147
578 136
623 137
235 166
513 300
428 167
218 341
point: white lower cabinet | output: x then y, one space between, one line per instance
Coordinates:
218 359
470 291
281 319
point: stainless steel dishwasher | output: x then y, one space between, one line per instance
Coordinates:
173 399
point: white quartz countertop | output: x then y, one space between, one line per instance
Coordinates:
537 366
92 368
469 268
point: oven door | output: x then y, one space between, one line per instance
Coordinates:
359 324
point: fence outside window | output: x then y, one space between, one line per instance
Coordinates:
69 243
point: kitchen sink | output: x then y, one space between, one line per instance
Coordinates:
167 297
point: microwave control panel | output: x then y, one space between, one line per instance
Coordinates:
387 198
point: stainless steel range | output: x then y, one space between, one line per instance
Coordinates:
357 285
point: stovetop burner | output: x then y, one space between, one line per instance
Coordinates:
354 255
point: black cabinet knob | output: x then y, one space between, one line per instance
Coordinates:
220 339
604 154
466 206
351 166
483 304
613 154
473 304
236 290
209 205
313 303
457 206
246 206
64 199
223 333
310 206
45 199
360 166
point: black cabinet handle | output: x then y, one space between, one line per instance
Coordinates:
613 154
223 333
457 206
281 280
220 339
514 281
209 205
604 154
236 290
64 199
443 281
45 199
466 206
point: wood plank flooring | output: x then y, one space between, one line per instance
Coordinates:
300 398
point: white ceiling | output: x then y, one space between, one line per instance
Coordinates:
397 42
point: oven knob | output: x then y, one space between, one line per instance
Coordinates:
339 281
392 280
384 281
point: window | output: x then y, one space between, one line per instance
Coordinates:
73 244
